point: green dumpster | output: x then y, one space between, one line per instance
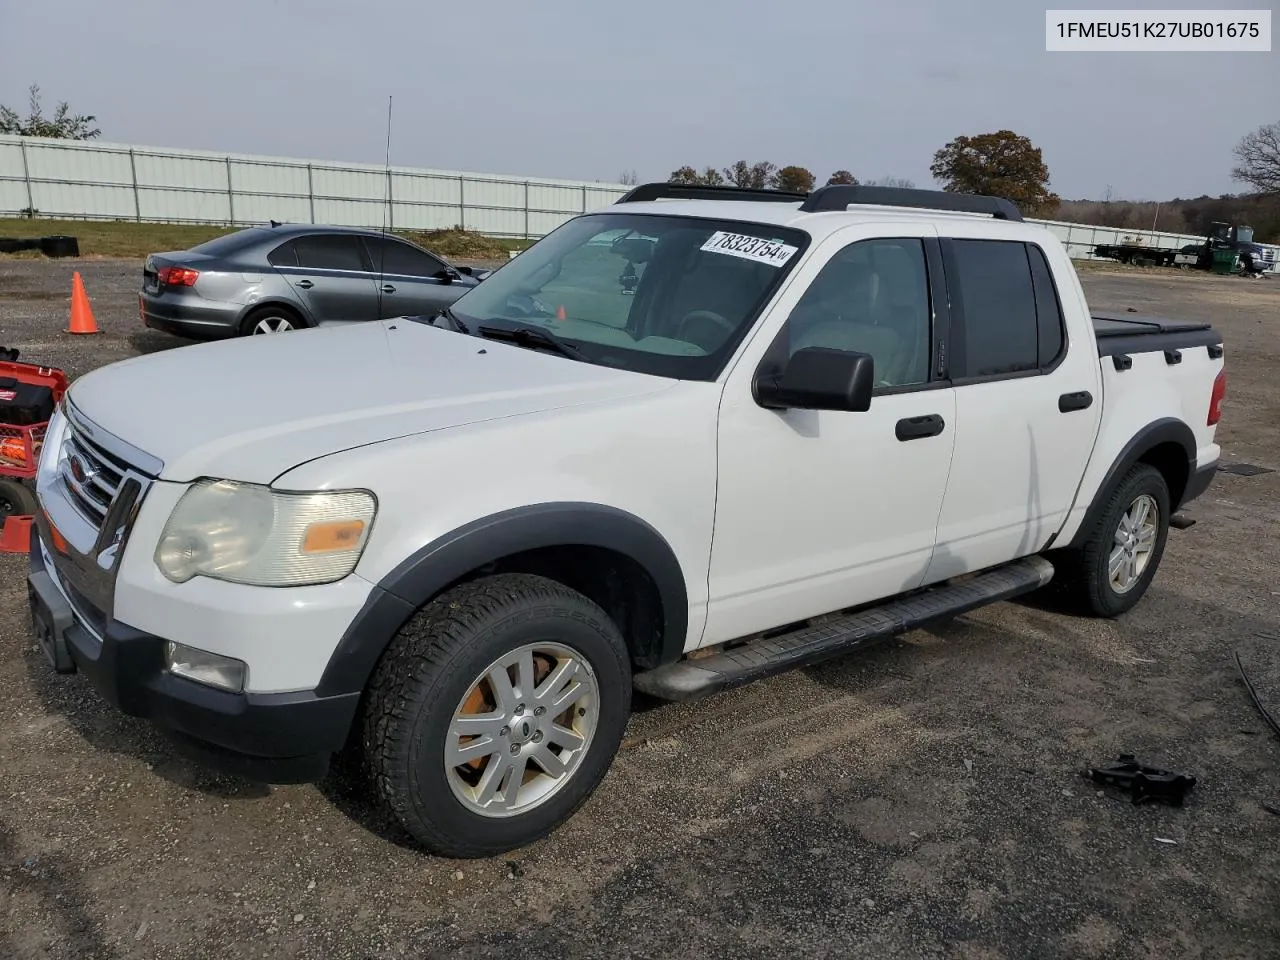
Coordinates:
1224 261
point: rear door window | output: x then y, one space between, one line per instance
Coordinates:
331 252
1001 331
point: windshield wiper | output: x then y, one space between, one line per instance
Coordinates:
452 317
531 336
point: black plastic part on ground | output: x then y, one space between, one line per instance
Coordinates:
49 246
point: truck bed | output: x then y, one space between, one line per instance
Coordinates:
1137 334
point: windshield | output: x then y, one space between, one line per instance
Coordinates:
671 296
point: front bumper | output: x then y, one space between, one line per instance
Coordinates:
268 737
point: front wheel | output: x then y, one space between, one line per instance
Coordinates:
495 713
1116 565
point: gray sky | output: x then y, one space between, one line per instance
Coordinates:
585 89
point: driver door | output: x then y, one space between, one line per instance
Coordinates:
818 510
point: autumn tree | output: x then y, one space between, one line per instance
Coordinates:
63 125
1258 159
1000 164
793 180
842 178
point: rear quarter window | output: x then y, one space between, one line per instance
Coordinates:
285 255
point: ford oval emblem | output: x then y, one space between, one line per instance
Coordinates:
79 471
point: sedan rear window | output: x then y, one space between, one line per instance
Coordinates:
228 243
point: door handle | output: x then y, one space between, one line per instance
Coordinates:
918 428
1069 402
388 288
305 284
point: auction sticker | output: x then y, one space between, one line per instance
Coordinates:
750 248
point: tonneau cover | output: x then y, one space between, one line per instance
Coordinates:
1109 325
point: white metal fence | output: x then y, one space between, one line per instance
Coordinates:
111 181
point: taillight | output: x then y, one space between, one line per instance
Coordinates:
177 276
1215 400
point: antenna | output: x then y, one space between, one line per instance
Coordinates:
386 215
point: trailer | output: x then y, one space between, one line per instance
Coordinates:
1227 249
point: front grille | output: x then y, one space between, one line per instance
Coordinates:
91 475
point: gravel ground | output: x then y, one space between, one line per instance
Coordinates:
921 800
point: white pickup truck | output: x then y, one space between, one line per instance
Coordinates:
688 441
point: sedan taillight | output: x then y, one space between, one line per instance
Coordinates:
177 276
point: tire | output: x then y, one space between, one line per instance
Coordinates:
1090 583
16 500
282 319
437 670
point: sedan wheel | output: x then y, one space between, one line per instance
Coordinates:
273 323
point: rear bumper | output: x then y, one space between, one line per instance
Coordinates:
1200 480
274 738
189 316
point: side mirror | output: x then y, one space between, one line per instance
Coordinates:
817 378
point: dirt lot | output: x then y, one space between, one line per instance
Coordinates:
918 801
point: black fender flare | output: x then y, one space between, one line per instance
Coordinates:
428 571
1167 430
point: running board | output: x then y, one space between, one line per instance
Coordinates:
702 676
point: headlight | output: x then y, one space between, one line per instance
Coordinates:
51 446
252 534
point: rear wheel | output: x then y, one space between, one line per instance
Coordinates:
495 713
1111 572
272 319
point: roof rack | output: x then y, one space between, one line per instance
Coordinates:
696 191
833 197
839 197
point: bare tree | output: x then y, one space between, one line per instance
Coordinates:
757 176
629 178
1258 156
901 182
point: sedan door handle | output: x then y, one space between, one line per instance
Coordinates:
305 284
918 428
1070 402
388 288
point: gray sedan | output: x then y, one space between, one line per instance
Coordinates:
288 276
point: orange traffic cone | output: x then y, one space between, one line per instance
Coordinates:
16 536
560 314
81 313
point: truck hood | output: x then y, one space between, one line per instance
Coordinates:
250 409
